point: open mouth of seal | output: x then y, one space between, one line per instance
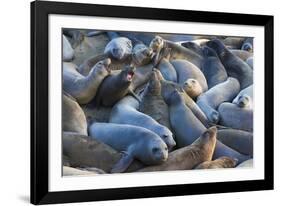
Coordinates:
130 75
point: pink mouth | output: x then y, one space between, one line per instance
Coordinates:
130 76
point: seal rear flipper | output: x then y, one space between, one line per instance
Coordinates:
123 163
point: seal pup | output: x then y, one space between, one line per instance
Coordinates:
126 111
236 116
84 88
188 157
115 87
212 67
223 92
186 70
222 162
73 117
177 51
67 50
247 91
134 142
239 140
235 67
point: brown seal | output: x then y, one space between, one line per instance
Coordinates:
222 162
188 157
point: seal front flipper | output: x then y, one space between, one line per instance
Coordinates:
130 92
123 163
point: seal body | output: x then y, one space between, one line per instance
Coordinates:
84 88
126 112
247 91
119 48
186 70
73 117
235 67
222 162
236 117
67 50
134 142
223 92
212 68
114 87
188 157
242 54
250 62
248 44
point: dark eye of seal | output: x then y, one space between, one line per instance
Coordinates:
155 149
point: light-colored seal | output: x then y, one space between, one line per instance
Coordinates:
82 88
239 140
126 111
250 62
233 42
212 68
247 91
177 51
242 54
73 117
135 143
186 70
67 51
235 67
236 116
222 162
114 87
223 92
119 48
188 157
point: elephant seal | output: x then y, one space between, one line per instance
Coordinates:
134 142
234 42
250 62
223 92
119 48
238 140
247 163
114 87
193 46
242 54
186 70
73 117
177 51
82 88
70 171
212 68
188 157
126 112
222 162
184 123
168 87
236 116
247 91
248 44
67 51
235 67
152 102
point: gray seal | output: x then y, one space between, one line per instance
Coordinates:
236 116
84 88
235 67
248 44
73 117
222 162
114 87
223 92
134 142
250 62
242 54
67 50
247 91
126 112
212 68
188 157
119 48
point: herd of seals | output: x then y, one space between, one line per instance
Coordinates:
139 102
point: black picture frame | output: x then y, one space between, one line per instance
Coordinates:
40 104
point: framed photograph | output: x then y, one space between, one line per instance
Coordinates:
131 102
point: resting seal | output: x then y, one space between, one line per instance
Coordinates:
233 42
186 70
236 116
250 62
135 143
115 87
84 89
126 112
212 67
235 67
223 92
242 54
222 162
70 171
188 157
248 45
67 51
177 51
239 140
193 46
247 91
73 117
